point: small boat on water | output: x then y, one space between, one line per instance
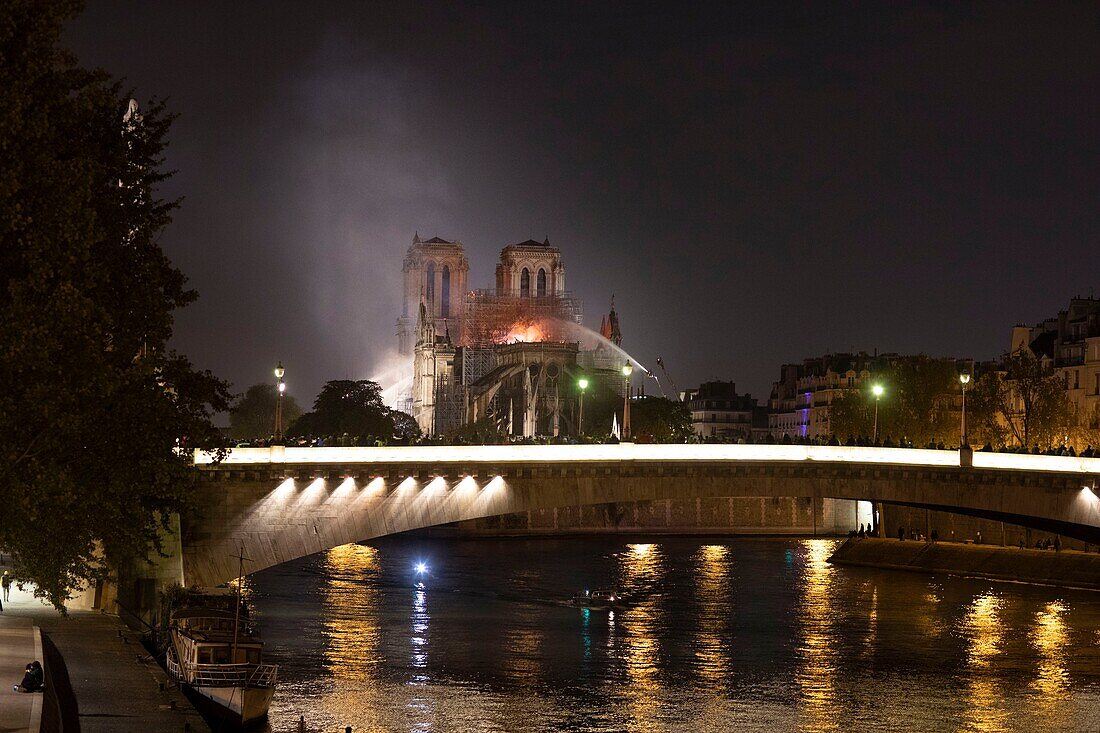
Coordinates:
218 655
601 599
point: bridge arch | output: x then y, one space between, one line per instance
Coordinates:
283 509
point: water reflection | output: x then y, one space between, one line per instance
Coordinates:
1049 638
983 629
421 707
350 603
641 570
418 639
817 645
350 631
712 594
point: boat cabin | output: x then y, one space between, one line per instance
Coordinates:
205 636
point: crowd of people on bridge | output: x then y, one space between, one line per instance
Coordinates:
346 440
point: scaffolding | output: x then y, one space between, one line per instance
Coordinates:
491 318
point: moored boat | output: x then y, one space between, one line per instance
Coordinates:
220 657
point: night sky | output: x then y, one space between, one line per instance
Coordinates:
755 185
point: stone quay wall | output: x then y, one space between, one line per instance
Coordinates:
1066 568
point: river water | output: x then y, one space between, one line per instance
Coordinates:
745 634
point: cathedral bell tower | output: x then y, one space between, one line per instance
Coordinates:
435 274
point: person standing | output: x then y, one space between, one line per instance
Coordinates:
6 583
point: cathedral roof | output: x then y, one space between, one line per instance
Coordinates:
437 240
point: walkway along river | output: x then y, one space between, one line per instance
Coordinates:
746 634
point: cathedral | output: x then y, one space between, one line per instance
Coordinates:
513 354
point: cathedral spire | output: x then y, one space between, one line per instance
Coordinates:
614 334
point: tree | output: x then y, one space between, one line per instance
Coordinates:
917 405
1028 401
354 408
660 420
405 428
254 414
98 419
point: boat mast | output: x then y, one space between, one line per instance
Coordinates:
237 615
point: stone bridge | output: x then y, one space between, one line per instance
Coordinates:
279 504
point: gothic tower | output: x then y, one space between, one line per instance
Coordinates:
435 273
531 269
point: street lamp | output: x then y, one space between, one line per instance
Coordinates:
628 369
583 384
877 391
279 372
964 379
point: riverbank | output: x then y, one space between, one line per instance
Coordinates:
1068 569
103 677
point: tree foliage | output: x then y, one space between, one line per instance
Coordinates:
1023 404
354 408
917 405
253 416
660 420
97 417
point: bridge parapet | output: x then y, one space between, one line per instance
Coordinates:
476 455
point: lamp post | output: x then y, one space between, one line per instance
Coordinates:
279 372
964 379
582 383
628 369
877 392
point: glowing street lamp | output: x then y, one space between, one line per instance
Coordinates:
628 369
877 391
582 383
279 372
964 379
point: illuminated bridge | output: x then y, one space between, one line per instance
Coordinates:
280 504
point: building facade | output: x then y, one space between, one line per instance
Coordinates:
719 412
1069 343
800 402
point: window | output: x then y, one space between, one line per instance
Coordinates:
1097 389
541 287
429 290
525 283
445 310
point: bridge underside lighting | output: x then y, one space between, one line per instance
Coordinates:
346 487
284 490
496 483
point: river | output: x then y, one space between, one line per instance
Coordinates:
715 634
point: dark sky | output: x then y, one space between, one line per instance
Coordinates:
755 185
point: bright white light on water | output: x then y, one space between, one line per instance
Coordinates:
421 568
